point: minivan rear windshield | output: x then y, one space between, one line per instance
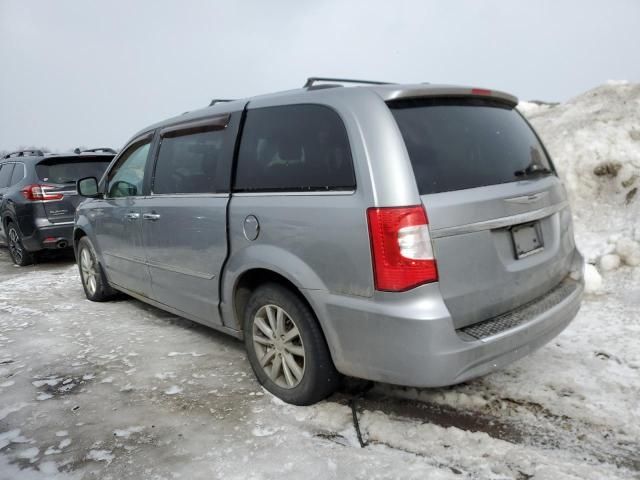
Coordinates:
68 170
460 143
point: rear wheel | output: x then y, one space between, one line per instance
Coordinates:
286 347
94 281
19 255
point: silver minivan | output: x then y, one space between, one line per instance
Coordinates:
411 234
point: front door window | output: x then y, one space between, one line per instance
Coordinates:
126 178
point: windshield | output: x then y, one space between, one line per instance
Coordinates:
459 143
66 170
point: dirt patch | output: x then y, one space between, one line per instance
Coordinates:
56 385
630 181
445 416
498 421
607 169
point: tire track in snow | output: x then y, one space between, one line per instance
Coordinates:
547 432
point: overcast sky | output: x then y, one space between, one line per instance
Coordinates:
94 72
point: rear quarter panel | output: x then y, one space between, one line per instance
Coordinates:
318 242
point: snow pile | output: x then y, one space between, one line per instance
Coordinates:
534 107
592 279
594 141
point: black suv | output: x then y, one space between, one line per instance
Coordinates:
38 198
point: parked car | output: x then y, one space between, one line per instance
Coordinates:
411 234
38 198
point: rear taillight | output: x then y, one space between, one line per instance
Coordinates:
401 248
41 192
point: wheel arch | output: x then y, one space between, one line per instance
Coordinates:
84 230
8 217
257 262
78 233
251 279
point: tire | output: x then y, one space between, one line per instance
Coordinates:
274 307
94 282
18 253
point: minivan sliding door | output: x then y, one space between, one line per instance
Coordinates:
184 219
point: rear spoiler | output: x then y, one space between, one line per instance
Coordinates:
95 150
401 92
66 158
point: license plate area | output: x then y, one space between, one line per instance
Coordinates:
527 239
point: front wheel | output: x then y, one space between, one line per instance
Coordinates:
93 279
286 347
19 255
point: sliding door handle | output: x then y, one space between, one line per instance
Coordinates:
132 216
151 216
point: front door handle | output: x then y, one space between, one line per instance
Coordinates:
151 216
132 216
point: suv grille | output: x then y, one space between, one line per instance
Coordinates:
522 314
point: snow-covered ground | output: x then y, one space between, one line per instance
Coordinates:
123 390
594 140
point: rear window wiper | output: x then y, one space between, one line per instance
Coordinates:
533 169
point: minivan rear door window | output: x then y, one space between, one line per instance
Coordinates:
461 143
188 163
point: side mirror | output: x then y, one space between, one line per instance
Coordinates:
88 187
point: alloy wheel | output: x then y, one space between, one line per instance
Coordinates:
278 346
15 246
89 271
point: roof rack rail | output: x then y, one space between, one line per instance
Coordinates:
23 153
98 150
312 80
220 100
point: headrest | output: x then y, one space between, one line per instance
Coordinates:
289 149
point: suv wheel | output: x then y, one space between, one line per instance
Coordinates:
286 347
19 255
94 282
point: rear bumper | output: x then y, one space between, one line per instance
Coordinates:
49 236
412 340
